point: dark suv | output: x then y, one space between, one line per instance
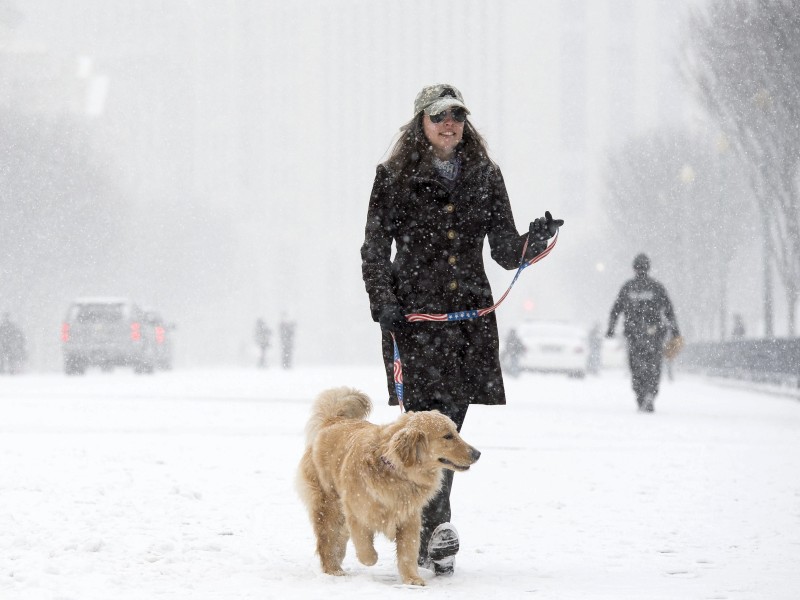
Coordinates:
107 333
162 334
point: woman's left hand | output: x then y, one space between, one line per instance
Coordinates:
543 228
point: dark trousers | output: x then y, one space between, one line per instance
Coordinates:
645 355
438 509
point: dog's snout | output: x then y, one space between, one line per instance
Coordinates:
474 453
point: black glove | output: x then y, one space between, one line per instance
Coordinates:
391 318
543 228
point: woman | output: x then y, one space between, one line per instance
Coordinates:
437 197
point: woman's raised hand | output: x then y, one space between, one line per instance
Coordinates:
543 228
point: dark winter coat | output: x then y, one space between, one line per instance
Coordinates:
648 311
439 229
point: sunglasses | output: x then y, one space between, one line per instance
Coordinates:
459 115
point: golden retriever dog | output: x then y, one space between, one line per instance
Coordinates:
358 478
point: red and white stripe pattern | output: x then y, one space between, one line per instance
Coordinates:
461 315
465 315
398 375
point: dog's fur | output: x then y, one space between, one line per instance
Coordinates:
358 478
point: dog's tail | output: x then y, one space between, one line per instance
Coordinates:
337 402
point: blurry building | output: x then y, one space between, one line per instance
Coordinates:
274 114
618 77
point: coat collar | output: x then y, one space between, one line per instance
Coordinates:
426 173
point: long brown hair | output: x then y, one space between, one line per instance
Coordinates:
413 147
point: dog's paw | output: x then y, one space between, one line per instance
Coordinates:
410 575
367 557
338 571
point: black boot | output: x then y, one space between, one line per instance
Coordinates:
442 549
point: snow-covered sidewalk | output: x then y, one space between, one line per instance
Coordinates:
180 485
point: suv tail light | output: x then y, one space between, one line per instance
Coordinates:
65 332
136 332
160 332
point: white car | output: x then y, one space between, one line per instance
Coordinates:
546 347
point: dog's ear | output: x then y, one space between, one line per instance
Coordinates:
409 445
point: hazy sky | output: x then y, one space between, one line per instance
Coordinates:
268 118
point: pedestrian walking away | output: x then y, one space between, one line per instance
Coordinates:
437 197
515 348
12 346
262 337
649 322
738 327
286 332
595 358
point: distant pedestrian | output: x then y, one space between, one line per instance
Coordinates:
514 350
595 349
649 319
286 333
12 346
737 332
262 337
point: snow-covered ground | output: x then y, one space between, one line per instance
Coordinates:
180 485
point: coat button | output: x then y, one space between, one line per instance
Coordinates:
449 208
451 234
452 260
453 285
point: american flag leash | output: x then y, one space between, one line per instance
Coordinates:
461 315
465 315
398 375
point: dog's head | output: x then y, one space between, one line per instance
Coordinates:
430 439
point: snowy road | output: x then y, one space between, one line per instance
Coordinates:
180 485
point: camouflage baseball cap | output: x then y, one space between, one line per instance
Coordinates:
433 99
